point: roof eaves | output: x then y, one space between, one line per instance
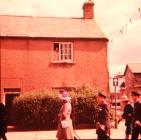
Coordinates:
83 38
137 73
125 70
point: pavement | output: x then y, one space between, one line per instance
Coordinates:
49 135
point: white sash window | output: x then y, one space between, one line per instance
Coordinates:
63 52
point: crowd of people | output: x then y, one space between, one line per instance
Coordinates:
131 114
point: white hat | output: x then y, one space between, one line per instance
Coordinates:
64 95
124 98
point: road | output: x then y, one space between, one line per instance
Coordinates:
48 135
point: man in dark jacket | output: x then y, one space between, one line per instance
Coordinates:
3 122
127 115
136 115
102 118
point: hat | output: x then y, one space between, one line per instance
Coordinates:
62 90
124 98
135 93
64 95
101 95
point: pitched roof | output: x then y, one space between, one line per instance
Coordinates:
134 67
28 26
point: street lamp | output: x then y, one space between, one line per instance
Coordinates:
115 84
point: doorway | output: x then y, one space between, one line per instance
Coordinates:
9 97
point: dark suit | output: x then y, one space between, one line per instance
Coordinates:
102 118
136 117
3 121
128 116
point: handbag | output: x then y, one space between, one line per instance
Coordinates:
64 124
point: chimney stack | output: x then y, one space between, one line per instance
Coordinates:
88 10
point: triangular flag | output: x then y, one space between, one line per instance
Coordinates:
130 20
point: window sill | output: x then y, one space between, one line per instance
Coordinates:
63 62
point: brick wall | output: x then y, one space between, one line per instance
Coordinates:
27 63
129 78
132 81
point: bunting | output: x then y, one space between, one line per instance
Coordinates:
135 16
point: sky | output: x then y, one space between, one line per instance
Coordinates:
120 20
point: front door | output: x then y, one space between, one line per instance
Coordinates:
8 102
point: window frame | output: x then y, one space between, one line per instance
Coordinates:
63 60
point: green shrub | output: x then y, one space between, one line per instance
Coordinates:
84 108
36 110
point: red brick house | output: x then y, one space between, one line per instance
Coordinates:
52 53
132 75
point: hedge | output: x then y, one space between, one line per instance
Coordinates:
84 108
36 110
39 109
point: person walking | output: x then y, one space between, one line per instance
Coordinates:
102 118
65 127
136 115
127 115
3 121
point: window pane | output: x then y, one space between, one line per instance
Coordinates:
61 46
61 57
61 52
69 52
56 46
69 56
65 50
56 51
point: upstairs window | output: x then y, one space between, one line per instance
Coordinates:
62 52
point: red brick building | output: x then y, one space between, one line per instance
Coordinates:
132 75
52 53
